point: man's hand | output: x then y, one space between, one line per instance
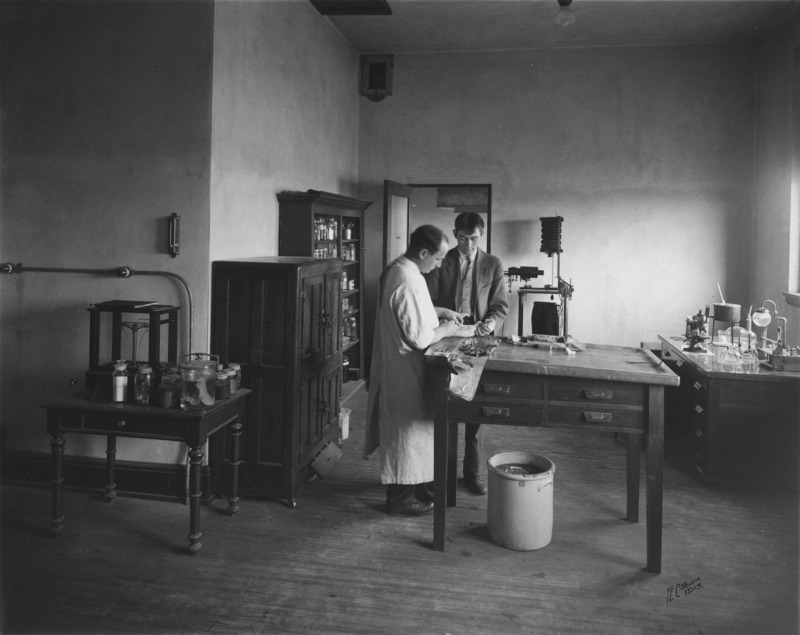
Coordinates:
447 328
448 314
484 328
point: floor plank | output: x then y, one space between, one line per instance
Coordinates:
338 564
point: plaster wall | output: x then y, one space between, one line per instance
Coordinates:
776 220
105 133
285 118
646 153
116 115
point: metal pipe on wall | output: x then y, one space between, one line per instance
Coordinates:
122 272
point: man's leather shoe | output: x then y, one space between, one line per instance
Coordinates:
424 492
408 507
474 484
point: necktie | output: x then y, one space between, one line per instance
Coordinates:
466 287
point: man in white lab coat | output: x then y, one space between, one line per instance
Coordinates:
400 401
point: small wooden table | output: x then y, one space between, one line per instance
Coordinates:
603 388
80 416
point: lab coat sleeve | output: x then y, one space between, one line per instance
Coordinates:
412 308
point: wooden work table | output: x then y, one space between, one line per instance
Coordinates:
602 388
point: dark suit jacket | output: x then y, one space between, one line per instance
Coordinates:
488 286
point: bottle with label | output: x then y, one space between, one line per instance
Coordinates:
237 371
222 386
143 382
351 328
234 386
120 381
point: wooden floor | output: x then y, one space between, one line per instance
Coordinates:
338 564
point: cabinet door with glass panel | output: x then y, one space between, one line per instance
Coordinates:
326 225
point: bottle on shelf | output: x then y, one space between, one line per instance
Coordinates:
237 371
222 386
143 382
345 368
351 328
120 381
168 391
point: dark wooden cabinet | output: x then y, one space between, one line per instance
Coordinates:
325 225
279 317
739 427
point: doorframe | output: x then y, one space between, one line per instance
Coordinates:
487 186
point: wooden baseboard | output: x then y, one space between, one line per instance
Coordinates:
158 481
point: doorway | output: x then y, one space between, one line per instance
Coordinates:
407 206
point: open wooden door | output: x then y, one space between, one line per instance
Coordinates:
396 201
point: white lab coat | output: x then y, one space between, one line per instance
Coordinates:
399 405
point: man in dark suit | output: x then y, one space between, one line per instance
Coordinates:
471 282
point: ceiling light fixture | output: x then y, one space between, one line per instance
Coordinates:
565 16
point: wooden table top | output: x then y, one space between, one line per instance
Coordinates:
696 361
596 361
79 401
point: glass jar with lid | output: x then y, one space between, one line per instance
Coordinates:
168 390
197 382
143 383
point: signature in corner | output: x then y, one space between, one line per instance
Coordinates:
683 588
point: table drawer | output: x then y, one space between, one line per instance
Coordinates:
499 411
122 424
594 414
511 385
580 390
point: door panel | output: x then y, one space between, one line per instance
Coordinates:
312 322
396 197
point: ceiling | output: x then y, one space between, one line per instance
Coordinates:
417 26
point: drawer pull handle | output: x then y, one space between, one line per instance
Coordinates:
495 412
497 389
698 409
697 385
598 393
598 417
698 432
121 423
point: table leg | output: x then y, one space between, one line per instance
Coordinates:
111 460
441 438
233 499
57 517
452 462
195 461
633 443
655 476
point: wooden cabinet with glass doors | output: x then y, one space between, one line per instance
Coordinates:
325 225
